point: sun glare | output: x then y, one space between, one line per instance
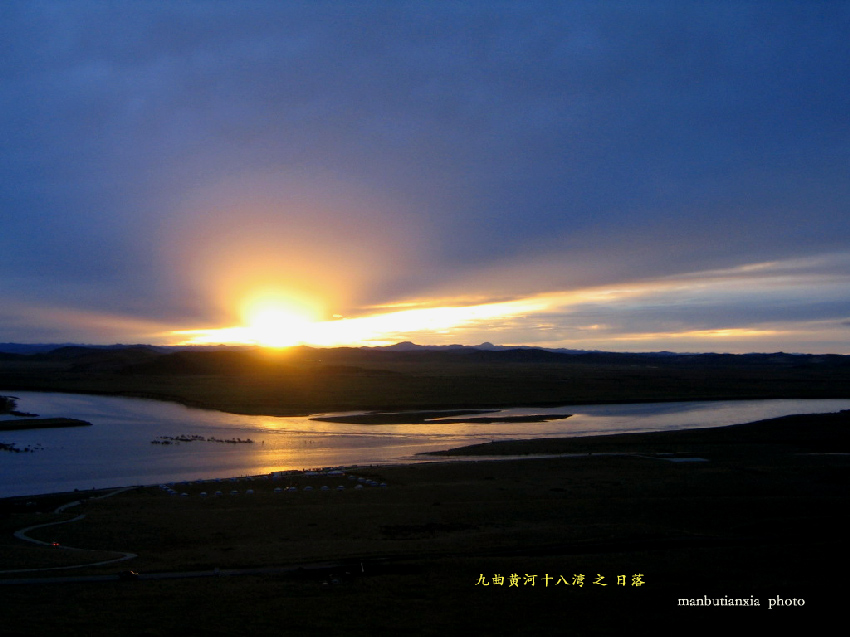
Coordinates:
277 321
282 323
277 327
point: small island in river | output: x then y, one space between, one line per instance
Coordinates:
42 423
32 421
426 417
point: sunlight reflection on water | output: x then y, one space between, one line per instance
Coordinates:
117 449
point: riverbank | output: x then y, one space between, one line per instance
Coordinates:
42 423
811 433
438 548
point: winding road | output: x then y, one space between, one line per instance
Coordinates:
22 534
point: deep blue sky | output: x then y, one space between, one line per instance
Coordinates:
632 175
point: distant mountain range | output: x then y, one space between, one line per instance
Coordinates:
405 346
43 348
119 354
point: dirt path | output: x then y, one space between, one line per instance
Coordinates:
22 534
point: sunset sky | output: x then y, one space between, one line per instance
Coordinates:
627 176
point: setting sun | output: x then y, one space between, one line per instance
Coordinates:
279 322
268 319
277 326
277 319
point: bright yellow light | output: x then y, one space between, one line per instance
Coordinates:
269 319
277 323
277 327
274 319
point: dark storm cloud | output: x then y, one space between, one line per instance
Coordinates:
515 147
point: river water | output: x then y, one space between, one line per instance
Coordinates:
118 451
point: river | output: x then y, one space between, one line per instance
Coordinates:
118 449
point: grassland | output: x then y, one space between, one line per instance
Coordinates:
303 381
763 515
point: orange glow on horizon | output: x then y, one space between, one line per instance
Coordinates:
274 324
700 334
600 317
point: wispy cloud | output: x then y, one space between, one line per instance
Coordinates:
738 309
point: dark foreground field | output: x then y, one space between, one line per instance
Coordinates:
764 515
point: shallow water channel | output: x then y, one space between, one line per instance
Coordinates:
118 450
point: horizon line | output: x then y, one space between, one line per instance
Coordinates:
484 346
